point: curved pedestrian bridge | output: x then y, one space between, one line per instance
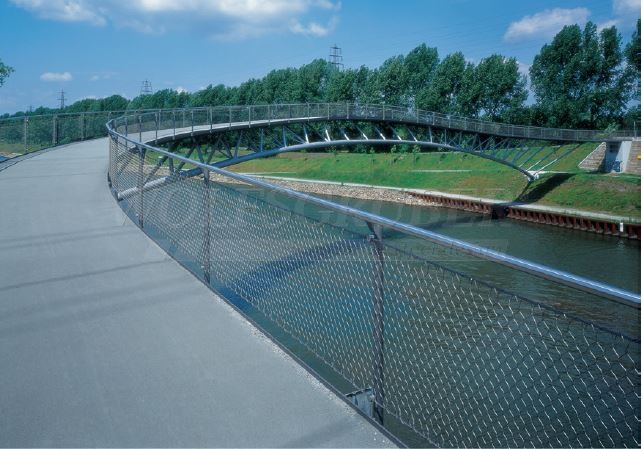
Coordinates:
107 341
111 342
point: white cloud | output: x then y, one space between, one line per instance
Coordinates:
545 24
231 18
523 68
607 24
313 28
180 90
54 76
100 76
627 7
64 10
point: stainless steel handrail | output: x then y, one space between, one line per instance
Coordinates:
409 114
541 271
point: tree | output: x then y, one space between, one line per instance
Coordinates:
5 71
419 66
446 91
115 103
633 58
577 78
497 88
391 82
342 86
313 81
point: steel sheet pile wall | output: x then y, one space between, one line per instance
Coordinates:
458 361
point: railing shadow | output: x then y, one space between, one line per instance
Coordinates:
552 182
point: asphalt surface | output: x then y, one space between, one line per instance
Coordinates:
106 341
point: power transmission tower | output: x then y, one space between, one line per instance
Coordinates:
336 58
146 87
62 99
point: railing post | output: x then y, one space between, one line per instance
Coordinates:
230 117
348 110
192 121
249 116
54 130
210 117
82 125
308 110
383 112
328 108
126 127
141 160
25 131
140 127
378 323
173 124
206 225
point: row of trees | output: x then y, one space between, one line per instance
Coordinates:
582 79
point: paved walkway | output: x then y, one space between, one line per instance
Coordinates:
106 341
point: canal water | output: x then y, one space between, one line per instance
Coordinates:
464 351
612 260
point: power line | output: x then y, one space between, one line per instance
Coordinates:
146 87
62 99
335 57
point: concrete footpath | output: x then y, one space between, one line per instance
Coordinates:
106 341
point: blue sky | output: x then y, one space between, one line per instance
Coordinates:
94 48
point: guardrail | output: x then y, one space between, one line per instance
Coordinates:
33 132
453 356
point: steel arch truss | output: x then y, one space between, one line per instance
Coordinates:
227 147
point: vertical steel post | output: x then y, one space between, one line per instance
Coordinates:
141 158
348 110
249 116
126 130
378 323
82 125
114 163
230 117
140 127
210 117
206 225
173 124
54 130
157 119
25 131
192 121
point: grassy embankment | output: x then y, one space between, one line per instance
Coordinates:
467 175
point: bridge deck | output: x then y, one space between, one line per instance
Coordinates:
106 341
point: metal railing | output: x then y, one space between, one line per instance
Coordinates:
210 116
29 133
454 356
19 135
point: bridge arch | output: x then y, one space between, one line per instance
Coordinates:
239 134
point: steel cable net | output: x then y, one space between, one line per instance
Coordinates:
458 361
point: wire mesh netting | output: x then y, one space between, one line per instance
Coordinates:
20 135
453 358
